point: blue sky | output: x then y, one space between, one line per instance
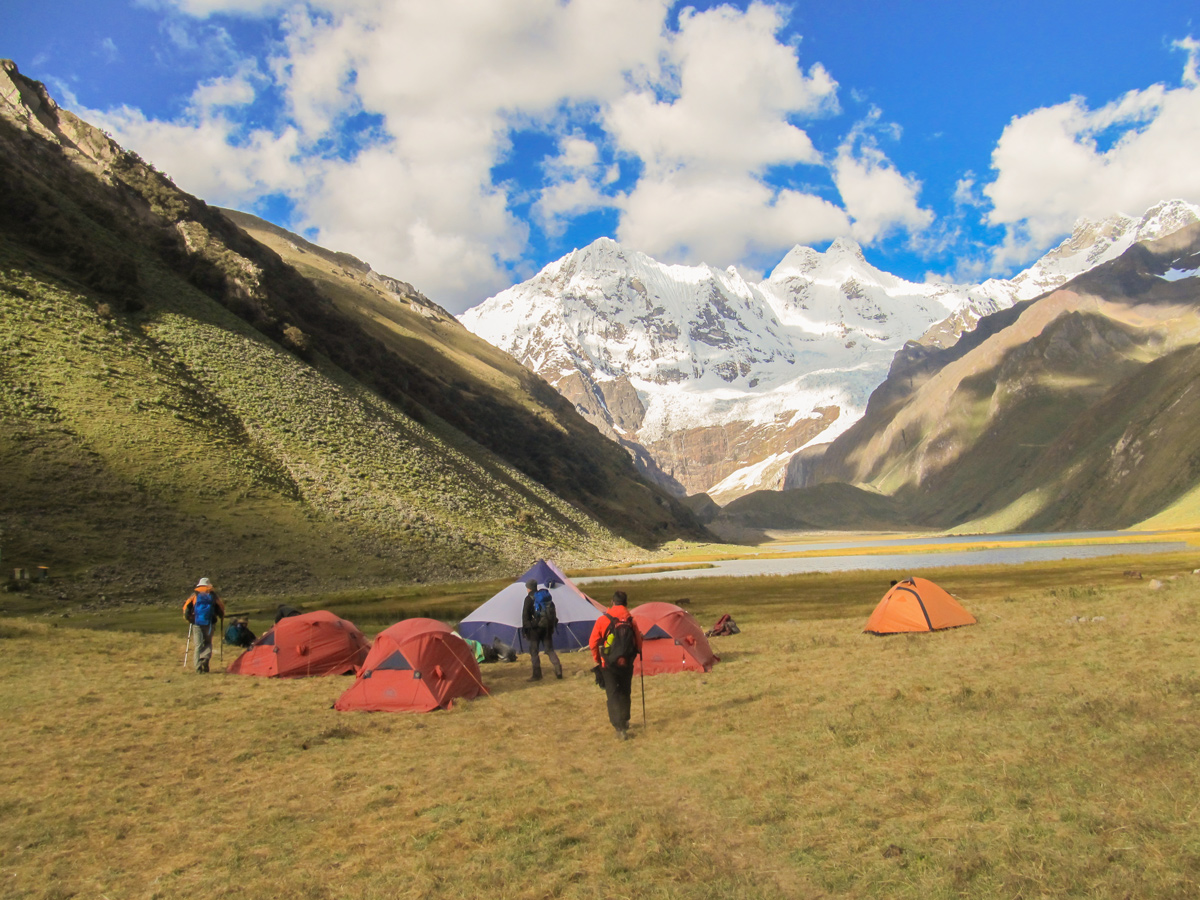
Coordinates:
463 144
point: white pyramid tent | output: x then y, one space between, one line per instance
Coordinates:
501 615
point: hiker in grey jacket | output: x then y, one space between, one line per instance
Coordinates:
538 621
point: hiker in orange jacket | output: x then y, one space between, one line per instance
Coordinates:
615 644
202 610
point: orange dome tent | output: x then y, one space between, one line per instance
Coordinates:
916 604
416 665
672 641
315 643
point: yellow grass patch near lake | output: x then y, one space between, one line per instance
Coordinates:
1034 754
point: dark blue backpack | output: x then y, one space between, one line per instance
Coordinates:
204 609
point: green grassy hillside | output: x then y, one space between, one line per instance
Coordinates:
479 390
175 400
832 507
145 449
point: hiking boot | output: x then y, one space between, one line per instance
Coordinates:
535 677
622 734
558 674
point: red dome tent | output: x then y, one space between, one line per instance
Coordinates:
672 641
315 643
916 604
418 665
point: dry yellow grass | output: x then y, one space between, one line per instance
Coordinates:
1025 757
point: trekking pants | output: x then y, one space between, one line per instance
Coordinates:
202 636
536 638
618 685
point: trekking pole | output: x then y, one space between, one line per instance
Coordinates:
643 679
222 639
187 646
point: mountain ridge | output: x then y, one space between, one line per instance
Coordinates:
719 382
175 397
1076 410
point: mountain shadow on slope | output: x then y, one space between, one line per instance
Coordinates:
175 398
1070 411
62 180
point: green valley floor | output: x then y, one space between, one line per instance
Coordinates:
1049 750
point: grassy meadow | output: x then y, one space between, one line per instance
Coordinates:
1032 755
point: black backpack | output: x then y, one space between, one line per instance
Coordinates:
620 642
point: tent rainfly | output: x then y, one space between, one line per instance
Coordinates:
916 604
315 643
672 641
501 615
417 665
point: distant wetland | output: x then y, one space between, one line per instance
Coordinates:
920 552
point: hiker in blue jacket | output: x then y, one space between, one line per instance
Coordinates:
202 609
538 621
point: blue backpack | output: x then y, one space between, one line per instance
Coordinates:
545 616
204 609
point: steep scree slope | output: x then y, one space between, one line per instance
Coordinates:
176 399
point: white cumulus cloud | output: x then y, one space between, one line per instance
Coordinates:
879 198
730 218
1061 162
706 135
383 122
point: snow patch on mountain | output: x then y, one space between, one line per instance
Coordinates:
1179 274
703 347
1091 244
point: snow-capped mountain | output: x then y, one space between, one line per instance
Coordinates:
713 382
706 371
1091 244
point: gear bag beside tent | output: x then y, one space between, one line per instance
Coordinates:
916 604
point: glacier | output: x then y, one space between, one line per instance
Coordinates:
732 377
